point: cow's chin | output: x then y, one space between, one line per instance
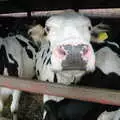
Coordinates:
57 65
90 67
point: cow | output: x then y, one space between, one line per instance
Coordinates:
113 115
70 109
65 52
108 61
17 58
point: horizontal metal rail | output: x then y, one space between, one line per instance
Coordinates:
34 13
103 96
106 13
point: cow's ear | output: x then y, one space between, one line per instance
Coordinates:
36 33
51 109
99 33
50 106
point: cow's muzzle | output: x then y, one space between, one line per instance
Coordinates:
74 57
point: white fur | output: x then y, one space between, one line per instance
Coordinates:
108 61
114 115
68 28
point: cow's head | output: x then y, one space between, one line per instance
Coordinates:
69 35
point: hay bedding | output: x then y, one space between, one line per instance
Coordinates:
29 108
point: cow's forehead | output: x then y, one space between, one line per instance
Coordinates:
68 18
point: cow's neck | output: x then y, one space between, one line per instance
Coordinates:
68 77
64 77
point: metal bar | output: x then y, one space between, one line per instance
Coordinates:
106 13
104 96
34 13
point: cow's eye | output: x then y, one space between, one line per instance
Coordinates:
47 29
90 28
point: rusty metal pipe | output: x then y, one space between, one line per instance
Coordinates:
103 96
106 13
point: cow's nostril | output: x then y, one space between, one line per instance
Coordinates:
60 52
85 50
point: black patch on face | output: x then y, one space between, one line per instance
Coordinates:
29 53
44 60
48 50
34 46
48 61
43 53
38 73
23 44
55 78
12 68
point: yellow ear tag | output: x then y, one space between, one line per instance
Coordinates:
102 36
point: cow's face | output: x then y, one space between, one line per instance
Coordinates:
69 36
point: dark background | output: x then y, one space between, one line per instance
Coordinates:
29 5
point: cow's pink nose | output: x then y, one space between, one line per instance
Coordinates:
72 51
84 50
60 52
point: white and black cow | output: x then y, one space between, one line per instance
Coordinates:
65 50
17 58
65 53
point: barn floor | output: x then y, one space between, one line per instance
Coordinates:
29 109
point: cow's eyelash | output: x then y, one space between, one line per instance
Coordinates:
47 29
